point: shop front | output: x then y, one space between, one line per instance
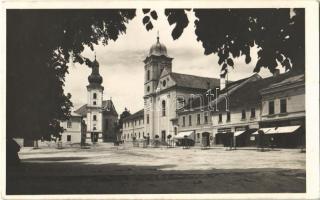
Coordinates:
284 133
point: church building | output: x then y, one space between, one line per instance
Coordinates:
162 89
100 116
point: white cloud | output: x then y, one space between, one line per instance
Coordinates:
122 67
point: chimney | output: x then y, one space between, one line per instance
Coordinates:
276 72
222 82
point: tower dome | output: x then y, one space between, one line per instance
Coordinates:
95 77
158 49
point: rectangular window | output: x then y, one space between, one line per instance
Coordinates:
107 124
183 121
228 116
271 107
198 119
283 105
147 118
220 117
69 124
190 120
148 75
253 112
68 138
94 103
206 117
94 117
243 114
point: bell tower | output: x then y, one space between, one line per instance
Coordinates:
155 62
94 104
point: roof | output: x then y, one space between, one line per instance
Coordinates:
246 91
158 49
107 107
73 114
138 114
231 86
294 78
197 82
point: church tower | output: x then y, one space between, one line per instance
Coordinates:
94 104
155 62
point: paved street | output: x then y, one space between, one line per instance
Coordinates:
105 169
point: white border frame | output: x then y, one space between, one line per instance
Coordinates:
312 87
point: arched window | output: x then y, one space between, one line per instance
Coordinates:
148 75
163 108
94 95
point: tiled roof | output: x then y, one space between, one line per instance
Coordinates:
250 93
247 91
107 107
197 82
290 80
231 87
138 114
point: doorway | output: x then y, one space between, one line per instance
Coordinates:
163 136
205 139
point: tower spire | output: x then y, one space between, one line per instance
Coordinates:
158 36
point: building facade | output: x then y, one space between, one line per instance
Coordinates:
164 90
72 129
134 127
100 116
180 105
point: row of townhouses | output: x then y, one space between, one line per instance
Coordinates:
201 109
205 109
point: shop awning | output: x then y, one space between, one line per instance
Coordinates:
276 130
182 134
237 133
265 130
284 129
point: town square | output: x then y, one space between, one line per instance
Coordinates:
159 101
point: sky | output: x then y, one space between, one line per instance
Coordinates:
122 67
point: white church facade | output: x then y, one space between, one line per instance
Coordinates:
98 116
162 89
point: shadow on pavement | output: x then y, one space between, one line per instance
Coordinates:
73 177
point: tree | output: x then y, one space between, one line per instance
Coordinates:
231 33
40 44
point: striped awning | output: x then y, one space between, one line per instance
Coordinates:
237 133
278 130
183 134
